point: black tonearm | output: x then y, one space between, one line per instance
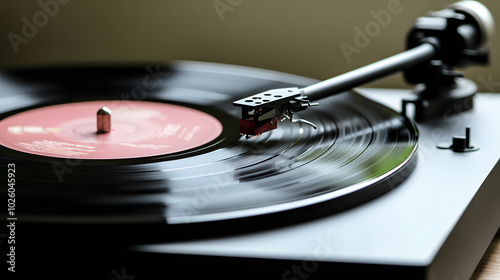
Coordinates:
456 36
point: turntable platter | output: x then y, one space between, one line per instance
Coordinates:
359 151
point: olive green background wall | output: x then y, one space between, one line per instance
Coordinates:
295 36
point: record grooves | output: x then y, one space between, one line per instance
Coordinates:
360 150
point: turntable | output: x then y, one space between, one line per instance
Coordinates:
228 172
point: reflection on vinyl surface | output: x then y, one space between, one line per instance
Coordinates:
360 150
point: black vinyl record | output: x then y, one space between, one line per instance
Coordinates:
360 150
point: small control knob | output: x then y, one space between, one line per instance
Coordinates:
460 144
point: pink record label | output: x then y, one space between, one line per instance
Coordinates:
138 129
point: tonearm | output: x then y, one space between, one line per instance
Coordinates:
456 36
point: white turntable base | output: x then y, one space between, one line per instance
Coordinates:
441 219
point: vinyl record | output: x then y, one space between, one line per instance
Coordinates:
146 170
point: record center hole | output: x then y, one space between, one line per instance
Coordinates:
277 96
248 100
